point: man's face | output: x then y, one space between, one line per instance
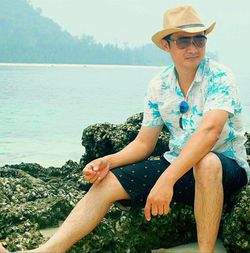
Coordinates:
184 51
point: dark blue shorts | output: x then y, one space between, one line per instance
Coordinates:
139 178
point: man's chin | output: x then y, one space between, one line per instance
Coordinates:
192 62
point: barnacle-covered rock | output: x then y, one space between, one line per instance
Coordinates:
117 137
25 235
130 232
43 202
96 140
236 228
33 197
102 139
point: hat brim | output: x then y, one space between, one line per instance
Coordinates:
156 38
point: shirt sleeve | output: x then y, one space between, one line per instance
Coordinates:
222 94
151 115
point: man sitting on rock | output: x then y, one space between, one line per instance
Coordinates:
197 99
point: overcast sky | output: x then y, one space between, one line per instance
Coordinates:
135 21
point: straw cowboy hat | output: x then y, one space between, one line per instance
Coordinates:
181 19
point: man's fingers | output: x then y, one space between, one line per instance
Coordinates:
147 211
94 178
90 175
88 178
87 173
95 171
160 209
87 169
98 180
96 165
166 209
95 168
102 174
154 209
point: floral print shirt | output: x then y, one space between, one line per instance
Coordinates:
213 87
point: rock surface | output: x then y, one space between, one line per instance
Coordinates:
33 197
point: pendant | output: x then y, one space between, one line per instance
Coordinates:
184 107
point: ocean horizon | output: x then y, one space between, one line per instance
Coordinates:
6 64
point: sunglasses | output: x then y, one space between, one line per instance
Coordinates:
183 107
183 42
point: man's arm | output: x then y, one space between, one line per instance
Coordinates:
199 144
140 148
137 150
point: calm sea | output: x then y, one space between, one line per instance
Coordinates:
44 109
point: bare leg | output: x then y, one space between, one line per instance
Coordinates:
86 215
208 201
2 249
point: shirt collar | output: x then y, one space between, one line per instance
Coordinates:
169 74
201 70
199 73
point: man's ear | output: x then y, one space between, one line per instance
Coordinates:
165 45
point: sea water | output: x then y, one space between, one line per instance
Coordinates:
44 108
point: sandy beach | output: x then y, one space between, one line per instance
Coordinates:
187 248
190 248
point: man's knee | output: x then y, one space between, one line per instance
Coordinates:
111 188
208 170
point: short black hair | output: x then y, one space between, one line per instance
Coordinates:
167 37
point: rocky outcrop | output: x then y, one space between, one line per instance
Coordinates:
103 139
33 197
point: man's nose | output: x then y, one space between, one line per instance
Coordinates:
192 46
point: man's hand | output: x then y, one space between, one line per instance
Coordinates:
159 199
95 171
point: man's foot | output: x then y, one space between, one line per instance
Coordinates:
2 249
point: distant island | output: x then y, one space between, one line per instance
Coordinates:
29 37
